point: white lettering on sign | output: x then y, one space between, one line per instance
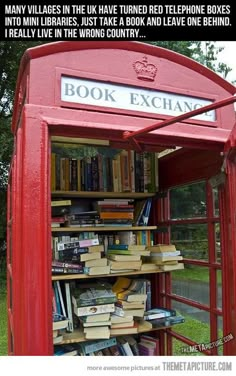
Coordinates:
97 93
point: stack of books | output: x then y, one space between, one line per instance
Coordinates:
131 297
93 303
60 324
166 257
116 212
125 257
86 254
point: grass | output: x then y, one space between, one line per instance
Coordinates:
196 331
195 274
3 315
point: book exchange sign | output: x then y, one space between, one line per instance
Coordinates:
97 93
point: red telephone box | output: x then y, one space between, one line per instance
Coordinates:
136 96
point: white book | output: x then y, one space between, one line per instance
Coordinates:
58 286
70 327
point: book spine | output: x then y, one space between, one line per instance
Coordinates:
88 242
91 347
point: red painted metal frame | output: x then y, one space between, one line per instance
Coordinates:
36 118
180 118
212 264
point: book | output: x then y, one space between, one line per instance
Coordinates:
88 347
158 313
133 344
93 293
168 268
96 270
149 266
96 323
158 255
149 339
127 252
125 257
146 348
88 242
119 319
94 309
70 326
60 324
162 248
60 202
129 247
125 346
65 350
96 262
100 317
128 305
97 332
58 339
129 324
116 265
137 312
124 330
163 258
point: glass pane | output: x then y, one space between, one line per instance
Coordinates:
219 289
192 283
188 201
217 243
191 240
216 202
196 326
220 334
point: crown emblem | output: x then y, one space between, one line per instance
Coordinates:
144 70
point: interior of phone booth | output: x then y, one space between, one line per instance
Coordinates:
189 204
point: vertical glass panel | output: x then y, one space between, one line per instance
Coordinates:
217 243
197 323
188 201
215 202
220 334
192 283
219 289
191 240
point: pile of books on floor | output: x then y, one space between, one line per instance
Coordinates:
166 257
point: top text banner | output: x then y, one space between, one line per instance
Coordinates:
96 93
160 21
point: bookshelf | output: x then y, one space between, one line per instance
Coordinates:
84 276
78 336
77 198
103 229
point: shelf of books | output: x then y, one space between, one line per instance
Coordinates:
103 253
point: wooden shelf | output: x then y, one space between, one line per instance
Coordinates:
97 195
85 276
78 335
103 228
